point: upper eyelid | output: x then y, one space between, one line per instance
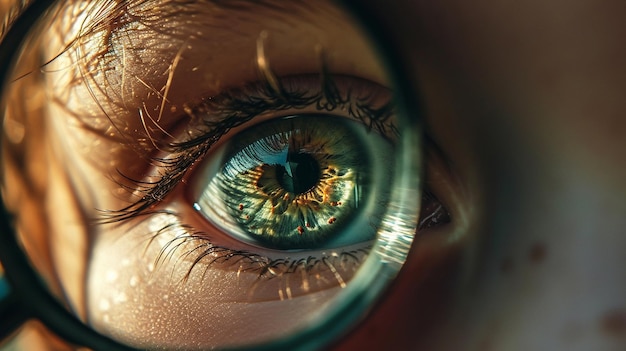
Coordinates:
241 104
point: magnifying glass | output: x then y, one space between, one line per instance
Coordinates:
203 176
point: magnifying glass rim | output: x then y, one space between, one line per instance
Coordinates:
43 306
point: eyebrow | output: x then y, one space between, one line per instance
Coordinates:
12 9
94 28
118 15
108 18
98 42
110 22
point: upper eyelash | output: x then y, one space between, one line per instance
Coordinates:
235 108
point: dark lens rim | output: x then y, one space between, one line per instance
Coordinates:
43 306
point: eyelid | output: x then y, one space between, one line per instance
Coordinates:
261 272
306 93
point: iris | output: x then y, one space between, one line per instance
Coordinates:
298 183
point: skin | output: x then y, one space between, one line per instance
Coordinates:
545 273
524 101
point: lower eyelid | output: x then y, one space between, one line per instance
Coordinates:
174 239
131 296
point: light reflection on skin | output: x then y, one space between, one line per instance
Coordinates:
526 101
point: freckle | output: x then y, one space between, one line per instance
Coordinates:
332 220
240 207
537 253
614 323
308 225
300 229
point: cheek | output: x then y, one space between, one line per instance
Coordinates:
139 290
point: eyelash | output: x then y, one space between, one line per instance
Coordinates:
247 262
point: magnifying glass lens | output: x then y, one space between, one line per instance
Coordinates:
209 175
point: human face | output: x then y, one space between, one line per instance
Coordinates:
524 102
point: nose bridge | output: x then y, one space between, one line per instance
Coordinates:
549 265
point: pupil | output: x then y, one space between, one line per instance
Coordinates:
299 174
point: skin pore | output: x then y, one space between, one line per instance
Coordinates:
525 102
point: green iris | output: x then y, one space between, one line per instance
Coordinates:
297 183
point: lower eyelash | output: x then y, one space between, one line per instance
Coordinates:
198 249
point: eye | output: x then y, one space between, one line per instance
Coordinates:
300 182
293 183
